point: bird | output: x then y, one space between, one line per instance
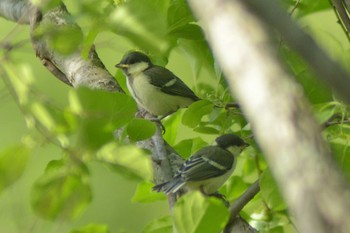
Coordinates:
154 88
207 169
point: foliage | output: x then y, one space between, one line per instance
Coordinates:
84 124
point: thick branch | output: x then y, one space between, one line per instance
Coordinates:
16 10
280 116
326 69
73 68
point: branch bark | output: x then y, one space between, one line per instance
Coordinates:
280 116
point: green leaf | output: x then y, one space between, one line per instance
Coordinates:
234 188
92 228
189 146
206 130
193 115
310 6
194 213
101 113
144 23
161 225
324 111
13 162
64 39
144 193
140 129
63 191
270 192
129 161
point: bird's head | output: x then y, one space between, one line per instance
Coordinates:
134 62
231 142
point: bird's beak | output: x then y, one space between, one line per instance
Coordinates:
121 65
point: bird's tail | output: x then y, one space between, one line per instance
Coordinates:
169 187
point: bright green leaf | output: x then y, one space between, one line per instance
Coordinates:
161 225
234 187
144 193
270 192
102 113
62 192
128 160
140 129
92 228
13 162
194 213
193 115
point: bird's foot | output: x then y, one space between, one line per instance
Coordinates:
221 197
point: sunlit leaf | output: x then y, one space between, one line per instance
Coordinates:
127 160
193 115
144 193
270 192
62 192
13 161
92 228
194 213
101 114
161 225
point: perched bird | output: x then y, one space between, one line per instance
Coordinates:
154 88
207 169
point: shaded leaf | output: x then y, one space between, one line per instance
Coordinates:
140 129
189 146
62 192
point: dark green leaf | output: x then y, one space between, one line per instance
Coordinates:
140 129
62 192
13 161
194 213
92 228
144 193
189 146
161 225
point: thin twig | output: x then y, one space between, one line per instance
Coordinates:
248 195
342 16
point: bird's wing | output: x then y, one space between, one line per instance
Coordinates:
201 167
168 82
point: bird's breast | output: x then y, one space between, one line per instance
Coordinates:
152 98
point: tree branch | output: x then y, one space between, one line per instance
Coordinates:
326 69
280 116
16 10
344 20
77 70
248 195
